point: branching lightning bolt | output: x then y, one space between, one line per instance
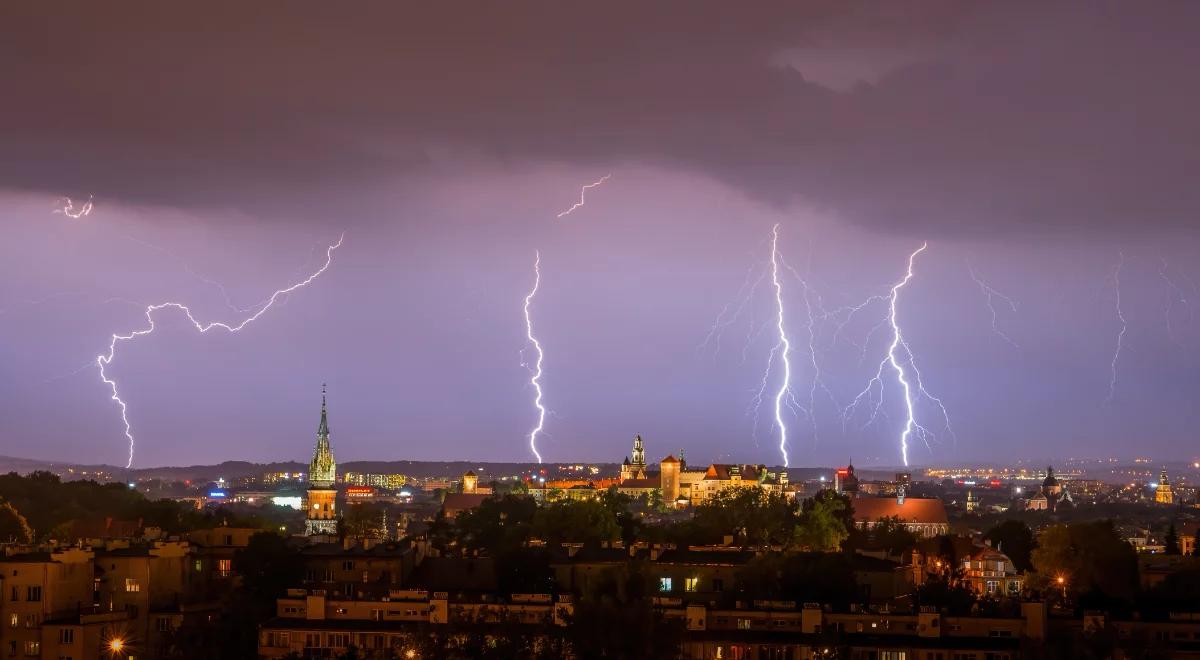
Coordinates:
582 192
1116 284
1176 297
68 208
783 347
990 295
106 359
536 370
911 388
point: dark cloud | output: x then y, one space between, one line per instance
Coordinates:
1008 118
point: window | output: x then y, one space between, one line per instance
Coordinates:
33 648
224 567
66 635
16 596
132 586
690 584
33 594
13 620
31 620
162 624
348 565
664 584
197 565
339 640
312 640
718 585
893 655
743 624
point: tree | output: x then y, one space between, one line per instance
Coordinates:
800 576
363 521
13 526
820 527
754 515
890 534
1015 539
575 521
615 619
1171 541
1091 558
497 525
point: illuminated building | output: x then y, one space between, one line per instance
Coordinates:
1051 496
669 471
924 517
972 502
470 482
320 505
844 481
635 468
1163 494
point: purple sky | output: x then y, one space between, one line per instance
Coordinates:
231 143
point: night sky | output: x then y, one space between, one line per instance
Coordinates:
226 144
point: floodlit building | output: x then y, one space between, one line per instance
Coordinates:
1163 494
321 501
924 517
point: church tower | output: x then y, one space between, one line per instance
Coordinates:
635 469
320 505
1163 494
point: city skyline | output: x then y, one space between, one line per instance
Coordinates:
1049 311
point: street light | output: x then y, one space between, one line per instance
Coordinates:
116 645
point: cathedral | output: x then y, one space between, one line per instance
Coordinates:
321 500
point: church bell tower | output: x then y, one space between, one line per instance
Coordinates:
321 500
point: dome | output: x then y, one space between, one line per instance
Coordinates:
1050 480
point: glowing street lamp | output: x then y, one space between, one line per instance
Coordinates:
116 645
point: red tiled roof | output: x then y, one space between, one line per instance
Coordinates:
456 502
913 510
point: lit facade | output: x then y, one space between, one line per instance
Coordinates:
321 501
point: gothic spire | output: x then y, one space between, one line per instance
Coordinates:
322 470
323 428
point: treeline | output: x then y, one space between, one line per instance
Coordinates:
40 506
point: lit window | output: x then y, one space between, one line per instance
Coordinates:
132 585
33 648
224 567
743 624
14 620
690 584
664 584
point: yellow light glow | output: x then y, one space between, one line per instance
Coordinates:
116 645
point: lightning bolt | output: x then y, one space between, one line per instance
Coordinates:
582 192
68 209
535 372
1116 284
1177 297
990 295
106 359
783 347
911 388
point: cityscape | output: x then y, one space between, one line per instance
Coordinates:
786 331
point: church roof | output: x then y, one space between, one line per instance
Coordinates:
910 510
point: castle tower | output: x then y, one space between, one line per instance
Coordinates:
470 482
669 476
321 500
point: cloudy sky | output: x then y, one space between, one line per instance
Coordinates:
225 145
